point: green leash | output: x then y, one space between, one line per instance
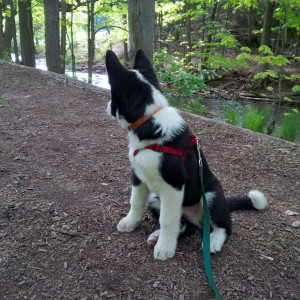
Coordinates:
206 232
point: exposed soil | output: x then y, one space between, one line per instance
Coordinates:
65 183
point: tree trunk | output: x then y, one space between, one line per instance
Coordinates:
267 29
141 14
9 28
188 33
297 51
126 53
72 42
91 38
63 36
26 33
1 34
51 12
16 50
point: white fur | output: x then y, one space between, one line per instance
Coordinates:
146 166
169 220
153 238
258 199
209 198
217 239
138 207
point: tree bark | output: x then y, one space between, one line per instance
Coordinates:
91 38
63 36
141 16
9 28
16 49
51 12
1 34
26 33
267 28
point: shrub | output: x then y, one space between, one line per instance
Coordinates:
255 119
290 127
185 86
232 115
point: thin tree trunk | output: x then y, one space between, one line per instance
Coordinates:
26 33
297 51
188 33
9 28
91 38
63 36
1 35
16 49
72 43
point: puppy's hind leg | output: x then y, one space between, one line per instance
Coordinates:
170 216
220 220
138 205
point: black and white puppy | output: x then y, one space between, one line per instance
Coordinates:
136 99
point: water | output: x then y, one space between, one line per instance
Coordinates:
215 107
100 80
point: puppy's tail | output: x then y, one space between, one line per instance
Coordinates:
255 200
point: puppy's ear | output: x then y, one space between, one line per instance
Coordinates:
143 64
141 61
116 71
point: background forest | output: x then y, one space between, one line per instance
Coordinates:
230 49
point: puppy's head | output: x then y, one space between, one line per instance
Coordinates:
132 91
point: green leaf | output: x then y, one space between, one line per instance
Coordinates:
265 50
245 49
263 75
296 89
280 61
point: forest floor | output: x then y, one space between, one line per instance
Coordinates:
65 183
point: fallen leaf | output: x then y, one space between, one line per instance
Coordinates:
290 213
296 224
267 257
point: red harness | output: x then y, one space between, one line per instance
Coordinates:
168 150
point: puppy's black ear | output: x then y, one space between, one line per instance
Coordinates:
143 64
116 71
141 61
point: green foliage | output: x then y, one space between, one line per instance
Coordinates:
232 115
290 127
296 89
185 86
255 119
264 75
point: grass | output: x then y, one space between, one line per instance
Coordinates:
255 119
2 97
232 115
290 126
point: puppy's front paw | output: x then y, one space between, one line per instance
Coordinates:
128 224
164 250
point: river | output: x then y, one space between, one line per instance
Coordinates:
215 107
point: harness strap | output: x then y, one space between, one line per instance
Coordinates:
168 150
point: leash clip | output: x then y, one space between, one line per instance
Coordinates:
199 153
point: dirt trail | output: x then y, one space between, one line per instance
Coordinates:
65 183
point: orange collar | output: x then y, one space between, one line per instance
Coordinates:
143 119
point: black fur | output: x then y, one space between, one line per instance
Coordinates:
130 98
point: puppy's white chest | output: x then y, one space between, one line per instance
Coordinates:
146 166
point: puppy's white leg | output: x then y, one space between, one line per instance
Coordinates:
170 216
138 201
